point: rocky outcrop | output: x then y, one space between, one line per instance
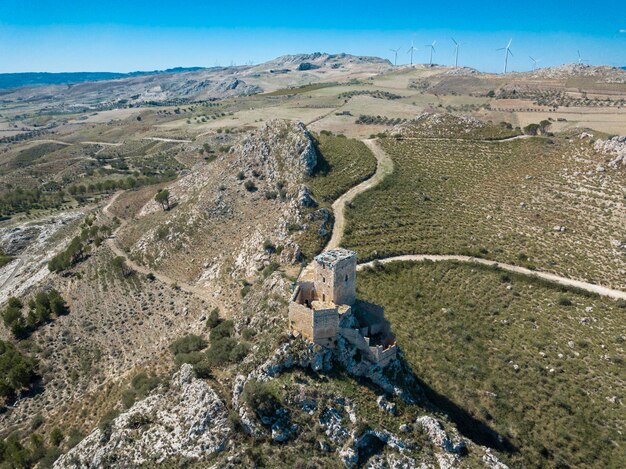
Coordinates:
616 148
188 421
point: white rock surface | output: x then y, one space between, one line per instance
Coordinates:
190 421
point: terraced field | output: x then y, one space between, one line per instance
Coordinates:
343 163
540 365
537 202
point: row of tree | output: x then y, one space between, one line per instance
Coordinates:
24 200
79 247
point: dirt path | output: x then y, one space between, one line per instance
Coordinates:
590 287
200 292
383 169
171 140
508 139
106 144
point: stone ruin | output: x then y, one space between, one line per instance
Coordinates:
327 307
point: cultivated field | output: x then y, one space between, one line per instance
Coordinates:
537 202
541 366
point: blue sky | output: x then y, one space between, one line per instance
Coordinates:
115 35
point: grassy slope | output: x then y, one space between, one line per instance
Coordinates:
342 164
463 330
464 197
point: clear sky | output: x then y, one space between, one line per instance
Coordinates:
127 35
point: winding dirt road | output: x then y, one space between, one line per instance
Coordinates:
590 287
383 169
202 293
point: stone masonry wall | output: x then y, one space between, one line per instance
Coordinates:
337 284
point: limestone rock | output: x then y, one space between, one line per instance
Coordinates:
189 420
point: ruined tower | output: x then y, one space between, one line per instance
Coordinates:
335 277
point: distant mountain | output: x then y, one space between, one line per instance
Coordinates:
17 80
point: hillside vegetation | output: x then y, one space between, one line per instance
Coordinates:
532 202
342 163
540 365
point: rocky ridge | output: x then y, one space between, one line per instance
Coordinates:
188 420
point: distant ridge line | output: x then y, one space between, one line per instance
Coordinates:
20 79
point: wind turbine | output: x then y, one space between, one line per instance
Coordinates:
580 59
507 50
534 62
395 51
456 53
432 49
411 50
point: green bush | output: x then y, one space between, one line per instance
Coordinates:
43 307
213 319
56 437
260 397
187 344
564 301
219 352
17 371
223 329
202 369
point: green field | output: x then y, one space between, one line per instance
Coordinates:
498 200
343 163
521 356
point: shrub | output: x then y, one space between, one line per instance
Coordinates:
56 437
239 352
260 398
219 352
248 333
241 176
106 421
213 319
222 330
36 422
202 369
17 371
270 269
269 247
250 186
564 301
187 344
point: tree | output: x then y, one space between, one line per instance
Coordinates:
163 197
214 319
120 265
543 125
531 129
17 371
